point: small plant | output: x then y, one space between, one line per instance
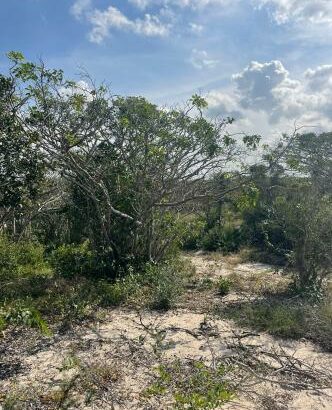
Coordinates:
193 231
166 283
281 320
224 286
111 294
22 315
192 385
90 379
205 284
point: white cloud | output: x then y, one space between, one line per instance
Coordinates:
200 59
263 87
196 28
194 4
155 17
265 93
300 11
103 21
319 77
224 103
80 7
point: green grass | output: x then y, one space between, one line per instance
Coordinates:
285 318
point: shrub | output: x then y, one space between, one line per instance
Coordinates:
8 259
30 257
193 385
21 258
211 240
224 286
205 284
192 234
224 238
166 287
286 318
166 283
111 294
23 315
73 260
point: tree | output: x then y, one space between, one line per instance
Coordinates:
121 168
21 166
293 218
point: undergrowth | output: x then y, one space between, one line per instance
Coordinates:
286 318
192 385
33 294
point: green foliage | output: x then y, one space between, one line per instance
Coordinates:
109 182
198 101
122 165
8 259
205 284
21 259
291 220
22 165
286 318
166 283
73 260
19 314
223 238
193 229
212 239
280 320
224 286
193 385
112 294
306 220
15 56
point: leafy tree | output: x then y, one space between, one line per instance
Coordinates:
119 169
292 218
21 165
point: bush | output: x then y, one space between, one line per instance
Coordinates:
23 315
224 286
30 257
227 239
193 385
166 283
192 234
111 294
21 258
211 240
73 260
8 259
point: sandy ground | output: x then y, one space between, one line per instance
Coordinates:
129 344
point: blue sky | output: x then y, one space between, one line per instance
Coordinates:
266 62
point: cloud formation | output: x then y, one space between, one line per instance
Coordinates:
269 90
200 59
194 4
300 11
261 95
80 7
160 17
103 21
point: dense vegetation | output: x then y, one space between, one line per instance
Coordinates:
100 192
